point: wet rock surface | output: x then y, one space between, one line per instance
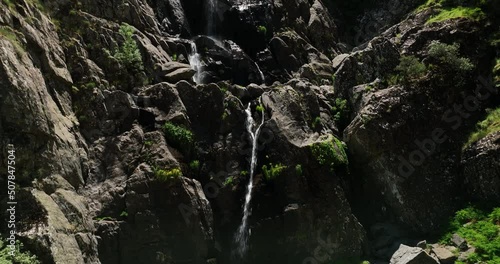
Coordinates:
95 160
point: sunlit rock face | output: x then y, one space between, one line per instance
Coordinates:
130 121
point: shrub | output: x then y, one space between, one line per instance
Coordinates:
340 110
450 64
124 214
194 165
449 55
259 108
229 181
481 230
272 171
128 53
410 69
244 173
330 153
178 136
262 30
21 256
167 175
488 126
316 122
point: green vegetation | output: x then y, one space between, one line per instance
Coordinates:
128 53
448 9
148 143
448 55
316 122
178 136
262 30
272 171
489 125
244 173
409 69
259 108
21 256
105 218
11 35
9 4
330 153
167 175
340 110
174 57
194 165
472 13
124 214
444 63
223 87
481 230
229 181
298 169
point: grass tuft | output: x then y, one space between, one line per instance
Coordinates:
471 13
488 126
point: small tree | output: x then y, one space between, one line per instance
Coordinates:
448 61
128 53
410 69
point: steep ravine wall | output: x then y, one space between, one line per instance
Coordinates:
101 179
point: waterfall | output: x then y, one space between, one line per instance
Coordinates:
194 59
211 10
241 237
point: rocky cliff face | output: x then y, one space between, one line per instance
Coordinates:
345 153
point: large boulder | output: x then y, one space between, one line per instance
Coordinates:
481 165
412 255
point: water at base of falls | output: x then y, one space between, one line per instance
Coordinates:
243 232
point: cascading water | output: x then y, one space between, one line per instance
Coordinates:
211 13
195 62
241 237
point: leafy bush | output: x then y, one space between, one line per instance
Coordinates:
448 61
340 110
272 171
330 153
20 257
229 181
128 53
447 54
167 175
259 108
488 126
178 136
194 165
481 230
410 69
262 30
316 122
244 173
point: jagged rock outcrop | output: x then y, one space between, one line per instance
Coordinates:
406 254
481 169
87 88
